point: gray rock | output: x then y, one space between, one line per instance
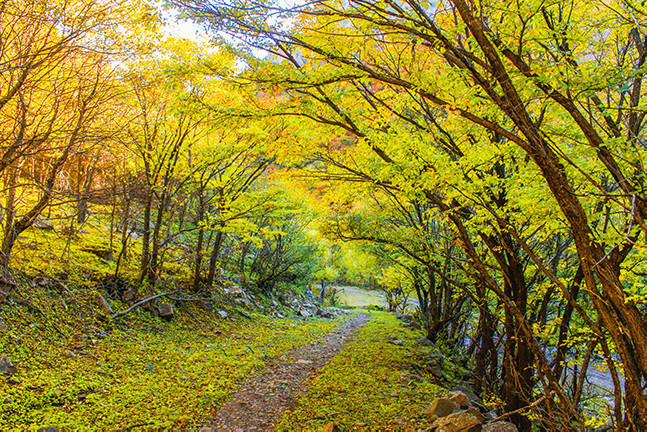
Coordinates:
462 421
425 342
6 367
309 294
166 311
305 313
43 224
440 408
223 314
3 326
500 426
48 429
437 373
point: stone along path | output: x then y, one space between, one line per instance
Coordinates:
263 399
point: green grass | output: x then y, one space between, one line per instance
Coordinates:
369 383
145 371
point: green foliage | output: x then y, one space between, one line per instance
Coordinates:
349 391
138 371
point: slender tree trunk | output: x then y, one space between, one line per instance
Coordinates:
10 215
213 260
145 258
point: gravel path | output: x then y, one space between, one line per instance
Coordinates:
263 399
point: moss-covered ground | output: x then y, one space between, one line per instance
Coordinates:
143 371
372 384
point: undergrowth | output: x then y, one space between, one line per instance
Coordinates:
108 375
371 384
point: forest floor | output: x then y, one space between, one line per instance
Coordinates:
262 400
80 370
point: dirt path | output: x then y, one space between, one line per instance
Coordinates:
260 403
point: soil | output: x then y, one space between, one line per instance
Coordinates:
263 399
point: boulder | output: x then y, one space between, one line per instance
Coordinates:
467 391
3 326
6 367
459 398
476 413
166 311
48 429
440 408
462 421
500 426
223 314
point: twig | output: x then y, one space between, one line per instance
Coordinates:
139 303
532 405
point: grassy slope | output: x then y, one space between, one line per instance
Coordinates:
369 383
147 371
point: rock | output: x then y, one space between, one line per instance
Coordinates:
500 426
305 313
425 342
462 421
6 367
309 294
302 361
332 427
128 296
206 429
104 306
459 398
103 253
397 342
476 413
437 373
467 391
440 407
48 429
223 314
166 311
3 326
69 354
43 224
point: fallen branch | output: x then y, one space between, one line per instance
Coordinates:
191 299
139 303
